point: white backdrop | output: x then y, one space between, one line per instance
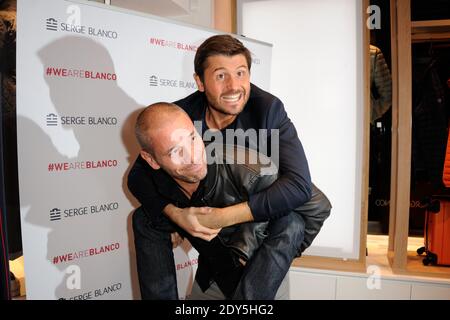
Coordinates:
317 71
84 71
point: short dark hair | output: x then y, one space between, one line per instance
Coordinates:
223 44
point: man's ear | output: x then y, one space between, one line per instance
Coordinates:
148 157
200 85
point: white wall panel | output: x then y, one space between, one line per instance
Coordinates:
317 71
354 288
310 286
430 292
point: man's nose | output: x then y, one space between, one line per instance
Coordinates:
232 83
196 152
188 154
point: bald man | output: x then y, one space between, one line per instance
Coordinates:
239 254
170 142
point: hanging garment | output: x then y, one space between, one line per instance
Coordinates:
429 125
8 100
380 84
8 54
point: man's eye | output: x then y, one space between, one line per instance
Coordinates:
175 152
220 76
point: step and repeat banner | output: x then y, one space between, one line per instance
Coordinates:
84 71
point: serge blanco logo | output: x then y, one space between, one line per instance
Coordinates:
57 214
51 24
52 120
154 81
110 289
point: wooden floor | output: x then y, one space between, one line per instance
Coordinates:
17 268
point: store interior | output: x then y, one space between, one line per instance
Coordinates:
430 50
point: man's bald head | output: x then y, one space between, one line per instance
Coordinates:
152 118
170 142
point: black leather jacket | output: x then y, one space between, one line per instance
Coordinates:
231 182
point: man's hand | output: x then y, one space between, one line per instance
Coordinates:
213 218
176 239
223 217
187 219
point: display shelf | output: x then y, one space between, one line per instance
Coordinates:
430 30
430 25
403 33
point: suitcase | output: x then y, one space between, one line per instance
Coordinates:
437 232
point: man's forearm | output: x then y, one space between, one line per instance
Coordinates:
228 216
212 218
188 219
170 211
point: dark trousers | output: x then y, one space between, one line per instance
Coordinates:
262 275
155 261
269 265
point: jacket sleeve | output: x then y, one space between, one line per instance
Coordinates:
141 186
314 212
293 187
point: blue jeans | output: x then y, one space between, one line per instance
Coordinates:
269 265
155 261
262 274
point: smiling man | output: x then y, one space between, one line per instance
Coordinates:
226 100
